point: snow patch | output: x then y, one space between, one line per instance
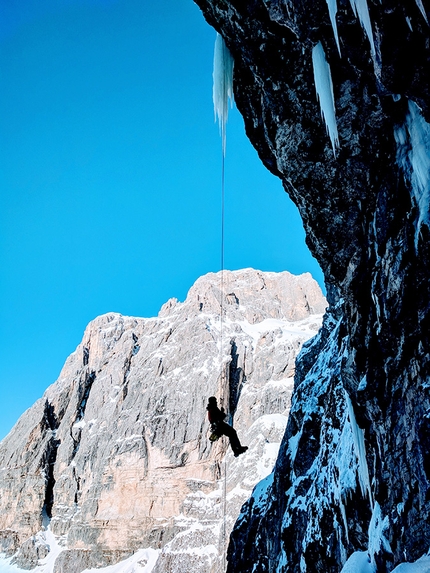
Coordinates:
325 95
287 330
7 567
359 562
422 565
143 561
206 551
222 85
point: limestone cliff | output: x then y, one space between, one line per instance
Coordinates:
115 457
354 473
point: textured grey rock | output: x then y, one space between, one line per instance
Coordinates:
368 227
31 552
116 456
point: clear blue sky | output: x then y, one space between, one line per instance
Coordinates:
110 171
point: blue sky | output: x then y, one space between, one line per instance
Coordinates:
110 172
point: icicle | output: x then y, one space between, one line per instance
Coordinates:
408 22
360 450
222 85
332 10
324 89
413 156
361 10
421 7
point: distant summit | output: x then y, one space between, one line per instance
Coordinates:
114 460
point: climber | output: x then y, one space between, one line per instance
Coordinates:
220 428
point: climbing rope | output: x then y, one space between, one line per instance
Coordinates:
223 535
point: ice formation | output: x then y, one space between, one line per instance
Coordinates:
364 561
324 89
413 156
421 7
377 538
360 449
332 10
222 85
361 10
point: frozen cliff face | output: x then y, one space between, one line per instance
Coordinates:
348 134
115 457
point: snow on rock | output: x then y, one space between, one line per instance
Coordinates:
377 539
324 89
143 561
121 437
422 565
7 567
323 456
359 562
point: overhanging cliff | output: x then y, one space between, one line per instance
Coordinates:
353 472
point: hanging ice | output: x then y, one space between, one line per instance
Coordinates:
360 450
421 7
332 10
361 10
222 85
413 156
324 89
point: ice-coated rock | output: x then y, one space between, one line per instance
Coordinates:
115 455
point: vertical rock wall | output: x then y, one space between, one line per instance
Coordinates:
366 214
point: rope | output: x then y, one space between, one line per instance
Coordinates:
222 263
223 375
224 528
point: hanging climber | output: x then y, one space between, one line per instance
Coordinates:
220 428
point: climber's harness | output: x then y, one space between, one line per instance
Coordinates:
215 432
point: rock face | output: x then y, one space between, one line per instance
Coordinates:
115 457
354 466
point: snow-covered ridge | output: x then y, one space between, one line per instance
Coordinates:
128 471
